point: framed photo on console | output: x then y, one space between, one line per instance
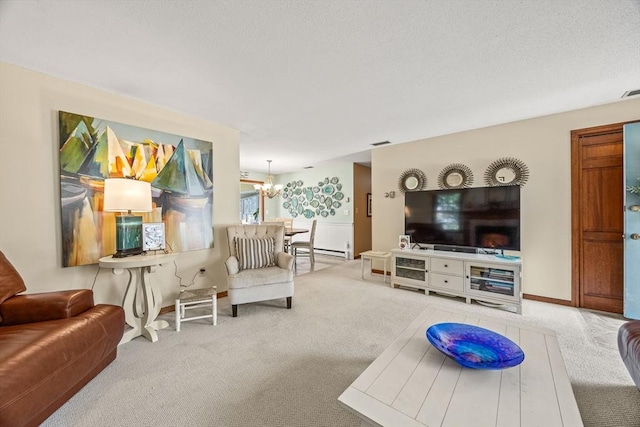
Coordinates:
404 242
153 236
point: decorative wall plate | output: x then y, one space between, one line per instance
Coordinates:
412 180
456 175
506 171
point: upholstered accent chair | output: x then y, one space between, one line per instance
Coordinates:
258 269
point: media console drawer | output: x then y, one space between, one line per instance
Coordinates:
449 266
444 281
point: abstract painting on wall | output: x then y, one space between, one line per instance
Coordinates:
180 171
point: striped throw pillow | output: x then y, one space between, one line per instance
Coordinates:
255 253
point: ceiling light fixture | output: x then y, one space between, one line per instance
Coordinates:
268 189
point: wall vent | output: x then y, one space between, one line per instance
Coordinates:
631 93
377 144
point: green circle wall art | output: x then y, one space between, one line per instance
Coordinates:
315 200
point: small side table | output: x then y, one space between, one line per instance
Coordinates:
197 298
141 317
375 255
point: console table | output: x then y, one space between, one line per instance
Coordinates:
485 278
140 317
413 384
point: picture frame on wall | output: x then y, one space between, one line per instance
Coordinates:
368 204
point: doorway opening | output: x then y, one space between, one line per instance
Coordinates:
251 203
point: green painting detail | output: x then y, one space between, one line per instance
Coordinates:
312 197
180 170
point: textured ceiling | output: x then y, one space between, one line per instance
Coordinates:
308 81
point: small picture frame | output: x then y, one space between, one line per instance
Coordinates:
404 242
153 236
368 204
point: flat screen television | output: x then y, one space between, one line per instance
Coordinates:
481 217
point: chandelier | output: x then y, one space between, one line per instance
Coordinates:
268 189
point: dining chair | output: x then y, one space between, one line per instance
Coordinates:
306 246
288 225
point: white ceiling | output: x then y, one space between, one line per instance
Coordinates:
308 81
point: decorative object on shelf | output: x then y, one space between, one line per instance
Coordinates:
404 242
320 200
369 204
475 347
268 189
456 175
506 171
412 180
153 236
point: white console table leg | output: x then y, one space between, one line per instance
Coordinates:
153 304
130 306
141 302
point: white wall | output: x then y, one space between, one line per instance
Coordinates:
544 144
29 182
333 233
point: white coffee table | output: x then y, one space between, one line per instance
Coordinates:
375 255
412 384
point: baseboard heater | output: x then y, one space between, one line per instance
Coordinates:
329 251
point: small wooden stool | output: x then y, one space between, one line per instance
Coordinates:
197 298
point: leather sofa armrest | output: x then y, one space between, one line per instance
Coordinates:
285 260
44 306
233 267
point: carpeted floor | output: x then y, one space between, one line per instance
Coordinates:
276 367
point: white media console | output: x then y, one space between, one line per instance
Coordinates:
485 278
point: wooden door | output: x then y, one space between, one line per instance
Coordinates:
597 218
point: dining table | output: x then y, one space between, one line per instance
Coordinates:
290 232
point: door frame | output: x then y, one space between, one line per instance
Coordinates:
576 180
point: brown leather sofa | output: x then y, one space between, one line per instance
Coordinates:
51 345
629 346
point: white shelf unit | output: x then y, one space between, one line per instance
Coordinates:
484 278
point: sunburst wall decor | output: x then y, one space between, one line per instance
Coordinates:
455 175
506 171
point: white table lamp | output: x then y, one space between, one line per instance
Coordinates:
127 195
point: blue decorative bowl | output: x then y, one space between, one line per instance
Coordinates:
475 347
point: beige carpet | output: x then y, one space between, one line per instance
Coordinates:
276 367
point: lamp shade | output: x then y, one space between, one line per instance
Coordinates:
124 195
